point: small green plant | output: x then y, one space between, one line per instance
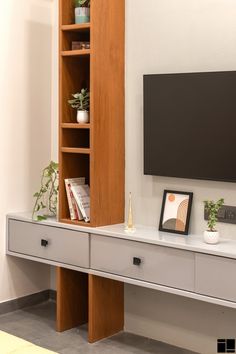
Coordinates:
212 209
81 100
82 3
46 198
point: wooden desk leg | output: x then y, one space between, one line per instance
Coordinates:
106 307
72 299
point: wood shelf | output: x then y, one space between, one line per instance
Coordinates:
75 126
75 222
76 27
75 53
75 150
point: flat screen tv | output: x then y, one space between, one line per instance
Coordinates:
190 125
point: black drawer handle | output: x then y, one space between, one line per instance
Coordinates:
44 243
137 261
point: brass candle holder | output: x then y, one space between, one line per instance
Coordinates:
130 224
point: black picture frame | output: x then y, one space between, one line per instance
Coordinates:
188 213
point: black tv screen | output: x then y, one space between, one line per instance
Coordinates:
190 125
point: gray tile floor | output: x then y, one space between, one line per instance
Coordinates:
37 325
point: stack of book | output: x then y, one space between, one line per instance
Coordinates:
78 195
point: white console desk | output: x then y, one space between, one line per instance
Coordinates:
181 265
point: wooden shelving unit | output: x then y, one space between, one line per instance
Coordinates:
101 70
94 151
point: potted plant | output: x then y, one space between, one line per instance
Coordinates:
81 102
211 235
82 11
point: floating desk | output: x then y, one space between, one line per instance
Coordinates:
181 265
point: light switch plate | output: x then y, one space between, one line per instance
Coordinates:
226 214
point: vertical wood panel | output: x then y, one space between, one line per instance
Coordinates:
106 307
107 111
72 299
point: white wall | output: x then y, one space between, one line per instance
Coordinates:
174 36
25 133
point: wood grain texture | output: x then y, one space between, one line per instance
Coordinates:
107 164
75 150
75 126
80 52
67 12
75 138
72 299
106 307
103 73
76 27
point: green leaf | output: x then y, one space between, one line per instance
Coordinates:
81 3
54 165
41 217
81 100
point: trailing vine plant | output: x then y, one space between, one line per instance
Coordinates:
47 197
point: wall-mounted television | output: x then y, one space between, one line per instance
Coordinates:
190 125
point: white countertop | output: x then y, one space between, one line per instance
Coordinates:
146 234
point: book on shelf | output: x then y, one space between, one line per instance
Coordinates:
75 213
82 197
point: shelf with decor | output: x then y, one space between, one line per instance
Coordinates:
92 150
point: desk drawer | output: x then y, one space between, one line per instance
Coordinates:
64 245
215 276
161 265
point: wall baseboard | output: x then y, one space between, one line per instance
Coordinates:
52 295
27 301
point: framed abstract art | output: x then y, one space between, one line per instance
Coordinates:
175 212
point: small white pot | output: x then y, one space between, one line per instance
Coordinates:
82 15
82 117
211 237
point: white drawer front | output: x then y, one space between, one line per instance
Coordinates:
64 246
215 276
161 265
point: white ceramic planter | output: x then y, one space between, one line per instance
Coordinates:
211 237
82 15
82 117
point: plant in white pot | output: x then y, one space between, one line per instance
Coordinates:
211 235
81 102
82 11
